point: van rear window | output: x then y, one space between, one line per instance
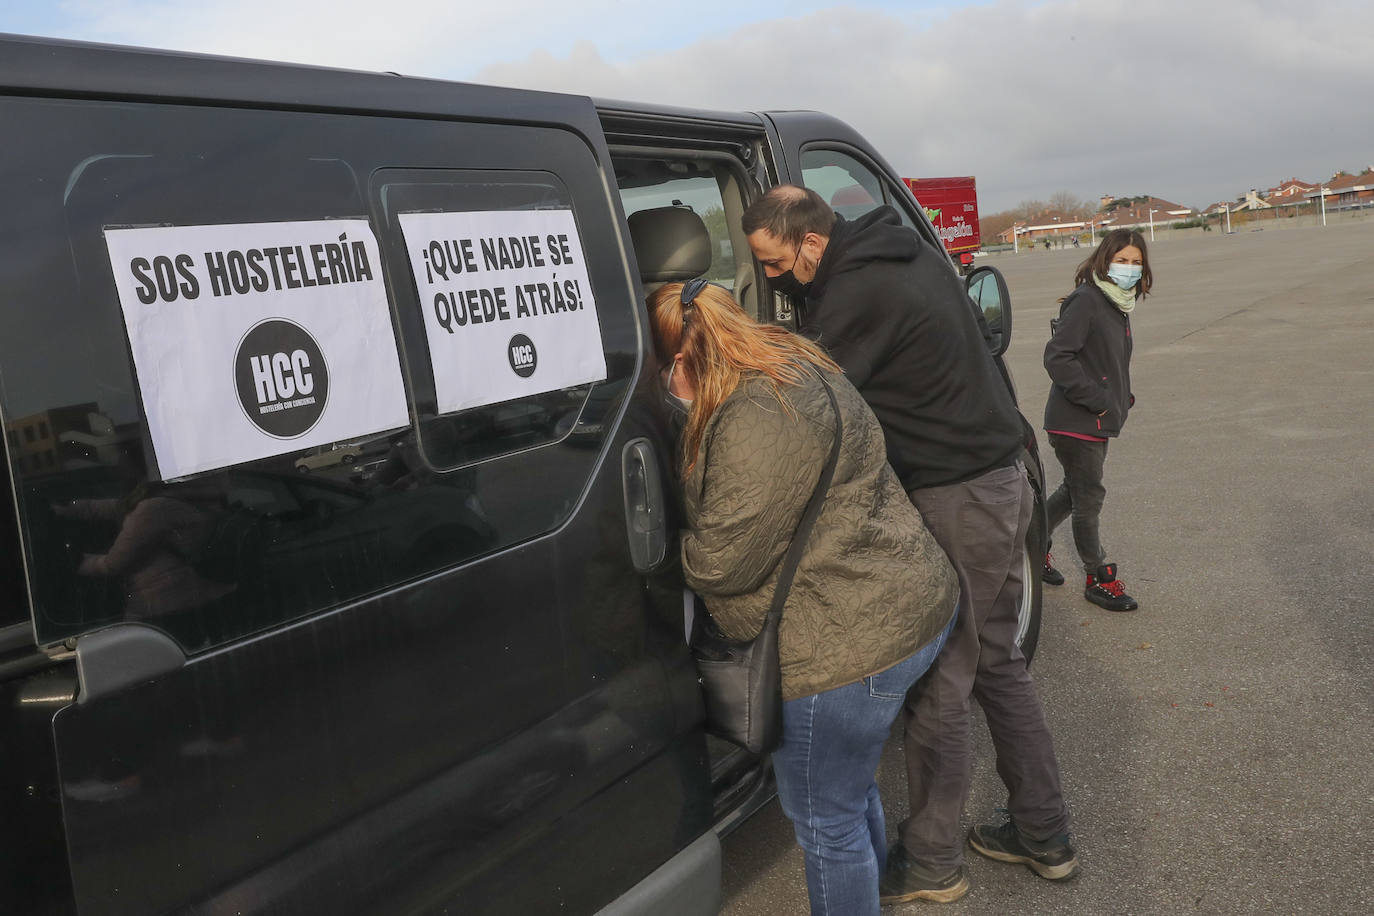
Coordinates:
137 503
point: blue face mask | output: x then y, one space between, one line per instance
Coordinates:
1125 276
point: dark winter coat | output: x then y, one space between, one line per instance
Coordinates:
896 318
872 586
1089 361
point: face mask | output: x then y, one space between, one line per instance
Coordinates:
1125 276
678 405
787 282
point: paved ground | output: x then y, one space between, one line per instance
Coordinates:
1217 746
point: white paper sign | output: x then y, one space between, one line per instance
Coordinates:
508 307
257 339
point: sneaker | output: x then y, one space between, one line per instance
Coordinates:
1106 591
1049 575
1054 859
906 879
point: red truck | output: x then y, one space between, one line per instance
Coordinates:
952 205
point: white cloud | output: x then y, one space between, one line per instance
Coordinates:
1192 100
444 38
432 37
1189 101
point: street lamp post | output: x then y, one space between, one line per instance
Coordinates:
1322 188
1152 225
1228 217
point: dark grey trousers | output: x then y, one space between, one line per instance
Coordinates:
982 526
1080 495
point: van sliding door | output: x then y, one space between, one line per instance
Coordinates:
335 512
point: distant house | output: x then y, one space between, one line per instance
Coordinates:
1049 224
1292 189
1251 201
1347 191
1136 214
1141 213
1281 200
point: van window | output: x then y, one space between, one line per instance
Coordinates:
848 185
235 549
448 439
710 185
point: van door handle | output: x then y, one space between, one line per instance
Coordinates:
645 519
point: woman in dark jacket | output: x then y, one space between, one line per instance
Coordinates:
873 597
1089 362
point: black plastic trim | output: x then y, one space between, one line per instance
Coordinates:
688 884
109 660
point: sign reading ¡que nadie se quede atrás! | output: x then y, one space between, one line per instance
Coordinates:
507 304
257 339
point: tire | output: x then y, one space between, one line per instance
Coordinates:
349 458
1037 541
1028 616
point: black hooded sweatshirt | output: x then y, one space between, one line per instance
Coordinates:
1088 358
896 318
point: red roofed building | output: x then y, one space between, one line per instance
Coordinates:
1347 191
1292 189
1162 212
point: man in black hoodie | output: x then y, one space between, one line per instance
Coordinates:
894 315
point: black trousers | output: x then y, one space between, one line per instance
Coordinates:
1080 495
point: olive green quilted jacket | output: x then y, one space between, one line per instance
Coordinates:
872 586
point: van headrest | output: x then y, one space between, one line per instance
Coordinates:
671 243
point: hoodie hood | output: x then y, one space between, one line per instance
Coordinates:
887 307
878 235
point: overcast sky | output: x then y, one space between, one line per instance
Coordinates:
1194 101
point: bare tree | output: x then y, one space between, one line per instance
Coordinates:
1028 210
993 224
1066 203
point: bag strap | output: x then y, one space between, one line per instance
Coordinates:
813 509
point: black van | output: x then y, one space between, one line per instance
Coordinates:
339 572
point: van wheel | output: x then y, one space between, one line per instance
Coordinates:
1028 615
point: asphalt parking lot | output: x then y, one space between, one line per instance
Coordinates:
1216 745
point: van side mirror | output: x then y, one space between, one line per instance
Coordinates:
988 289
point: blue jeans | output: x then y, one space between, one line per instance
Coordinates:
825 769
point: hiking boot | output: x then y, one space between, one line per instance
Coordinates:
906 879
1049 575
1106 591
1054 859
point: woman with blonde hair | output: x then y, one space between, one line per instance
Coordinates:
873 596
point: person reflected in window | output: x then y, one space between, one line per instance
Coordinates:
161 530
874 596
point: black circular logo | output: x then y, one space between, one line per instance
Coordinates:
523 359
281 377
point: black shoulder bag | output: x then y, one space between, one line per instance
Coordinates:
741 681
